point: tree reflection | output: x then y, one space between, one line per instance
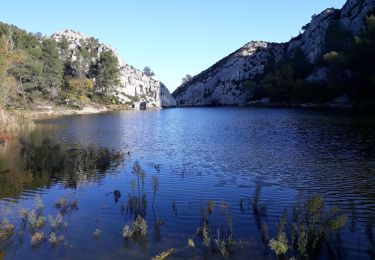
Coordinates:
43 162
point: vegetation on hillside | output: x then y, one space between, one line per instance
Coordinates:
35 69
345 65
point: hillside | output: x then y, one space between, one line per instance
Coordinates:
73 70
329 64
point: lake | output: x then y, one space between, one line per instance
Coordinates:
234 170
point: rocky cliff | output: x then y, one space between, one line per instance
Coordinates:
223 83
135 88
226 82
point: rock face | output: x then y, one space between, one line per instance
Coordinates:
353 12
136 88
225 82
312 41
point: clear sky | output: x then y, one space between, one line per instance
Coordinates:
173 37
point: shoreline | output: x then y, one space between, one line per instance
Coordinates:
50 112
45 112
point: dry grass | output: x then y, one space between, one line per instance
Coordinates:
13 123
164 255
37 238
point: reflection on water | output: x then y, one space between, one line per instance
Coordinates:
222 178
44 162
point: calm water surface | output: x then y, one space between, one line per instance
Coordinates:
199 155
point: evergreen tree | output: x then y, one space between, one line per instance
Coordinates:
52 69
107 72
148 71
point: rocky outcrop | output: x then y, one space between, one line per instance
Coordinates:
135 88
227 82
223 83
312 40
352 14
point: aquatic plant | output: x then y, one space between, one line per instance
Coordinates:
164 255
312 226
135 205
280 244
155 186
174 207
264 232
205 234
222 247
138 229
140 226
133 185
55 240
61 202
37 238
335 221
127 232
137 169
259 209
6 230
211 206
36 221
38 203
97 233
57 222
302 240
191 243
23 214
65 205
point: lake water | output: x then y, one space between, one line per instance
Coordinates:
220 156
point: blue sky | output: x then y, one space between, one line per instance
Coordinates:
173 37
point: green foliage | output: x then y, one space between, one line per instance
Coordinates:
349 63
107 72
6 230
285 81
138 229
337 38
51 82
313 223
42 69
148 71
55 240
280 244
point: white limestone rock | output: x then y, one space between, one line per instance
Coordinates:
312 41
135 86
222 84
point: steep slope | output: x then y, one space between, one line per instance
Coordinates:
135 88
227 82
223 83
312 41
